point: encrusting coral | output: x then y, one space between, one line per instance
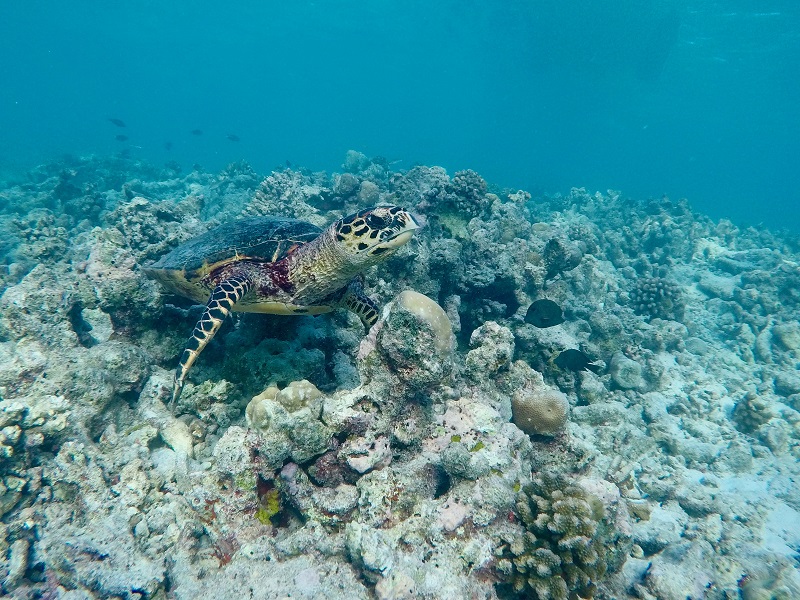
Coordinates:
414 336
429 311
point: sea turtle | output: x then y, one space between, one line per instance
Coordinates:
279 266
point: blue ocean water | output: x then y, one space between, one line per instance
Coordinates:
688 98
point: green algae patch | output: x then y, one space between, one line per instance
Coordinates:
456 225
270 506
245 481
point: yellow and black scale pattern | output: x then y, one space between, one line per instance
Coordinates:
280 266
219 306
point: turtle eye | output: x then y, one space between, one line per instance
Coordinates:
375 221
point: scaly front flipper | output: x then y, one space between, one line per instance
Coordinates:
356 300
221 302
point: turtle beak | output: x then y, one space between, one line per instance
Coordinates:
398 240
404 227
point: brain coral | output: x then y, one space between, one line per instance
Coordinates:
540 411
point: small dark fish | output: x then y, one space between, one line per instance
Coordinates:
168 146
575 360
233 137
117 122
121 138
196 132
544 313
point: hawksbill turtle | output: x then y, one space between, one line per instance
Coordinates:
280 266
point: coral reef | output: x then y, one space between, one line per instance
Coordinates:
442 454
415 338
289 423
560 256
427 310
752 411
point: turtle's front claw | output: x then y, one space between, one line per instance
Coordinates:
177 388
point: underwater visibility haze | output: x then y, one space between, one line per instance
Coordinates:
651 97
400 300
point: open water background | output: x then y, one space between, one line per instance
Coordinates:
690 98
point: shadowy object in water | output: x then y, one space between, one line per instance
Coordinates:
117 122
660 33
196 132
575 360
121 138
233 137
167 146
544 313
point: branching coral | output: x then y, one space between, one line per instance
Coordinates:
570 541
469 189
751 412
658 297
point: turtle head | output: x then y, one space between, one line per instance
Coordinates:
375 232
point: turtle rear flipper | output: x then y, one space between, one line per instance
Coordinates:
221 302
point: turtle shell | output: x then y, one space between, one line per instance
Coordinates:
264 239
